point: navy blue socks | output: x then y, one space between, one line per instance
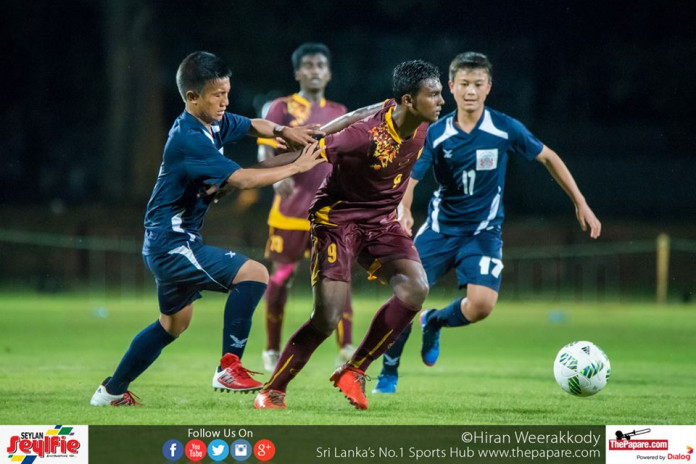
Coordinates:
239 308
144 349
148 344
449 316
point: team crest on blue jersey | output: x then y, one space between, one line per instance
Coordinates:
486 160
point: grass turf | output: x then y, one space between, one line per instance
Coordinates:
55 350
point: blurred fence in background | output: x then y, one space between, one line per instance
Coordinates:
662 270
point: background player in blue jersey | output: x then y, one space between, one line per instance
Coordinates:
468 150
173 250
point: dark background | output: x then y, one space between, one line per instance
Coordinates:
90 93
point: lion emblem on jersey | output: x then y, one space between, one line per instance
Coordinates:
385 148
299 112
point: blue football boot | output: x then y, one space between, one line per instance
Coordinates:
386 383
430 349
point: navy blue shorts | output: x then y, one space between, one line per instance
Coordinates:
478 258
184 271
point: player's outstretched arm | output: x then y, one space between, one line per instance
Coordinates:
260 176
559 171
279 160
405 215
284 187
295 137
347 119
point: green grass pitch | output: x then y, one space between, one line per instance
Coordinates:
55 350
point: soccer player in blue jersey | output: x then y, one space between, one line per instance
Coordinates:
192 164
468 150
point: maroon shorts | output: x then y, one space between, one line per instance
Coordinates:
334 248
287 246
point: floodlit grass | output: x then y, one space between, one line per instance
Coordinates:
55 350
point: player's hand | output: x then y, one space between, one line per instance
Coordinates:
587 219
406 220
281 146
214 190
310 156
207 190
297 137
284 187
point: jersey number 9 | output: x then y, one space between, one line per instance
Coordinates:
331 253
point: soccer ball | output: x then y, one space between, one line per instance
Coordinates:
581 368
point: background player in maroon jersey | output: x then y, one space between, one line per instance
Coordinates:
354 217
288 240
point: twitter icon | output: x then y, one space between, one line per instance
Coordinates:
218 450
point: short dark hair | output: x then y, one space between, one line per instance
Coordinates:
309 48
409 75
470 60
197 69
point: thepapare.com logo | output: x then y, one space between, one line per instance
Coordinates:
666 443
26 446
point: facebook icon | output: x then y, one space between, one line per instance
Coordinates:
172 450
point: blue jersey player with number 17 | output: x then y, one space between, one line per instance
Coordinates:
468 151
193 165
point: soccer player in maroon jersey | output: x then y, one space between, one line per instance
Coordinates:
354 217
288 240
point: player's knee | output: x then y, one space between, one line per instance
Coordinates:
325 323
176 324
420 291
178 328
325 318
413 291
479 310
254 271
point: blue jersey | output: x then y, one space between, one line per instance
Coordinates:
470 170
192 160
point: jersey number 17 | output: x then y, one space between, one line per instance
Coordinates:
468 180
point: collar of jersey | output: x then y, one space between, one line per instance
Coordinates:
305 102
194 120
455 122
390 125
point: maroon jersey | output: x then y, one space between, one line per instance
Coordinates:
291 213
371 168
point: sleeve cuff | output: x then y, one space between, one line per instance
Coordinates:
264 141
